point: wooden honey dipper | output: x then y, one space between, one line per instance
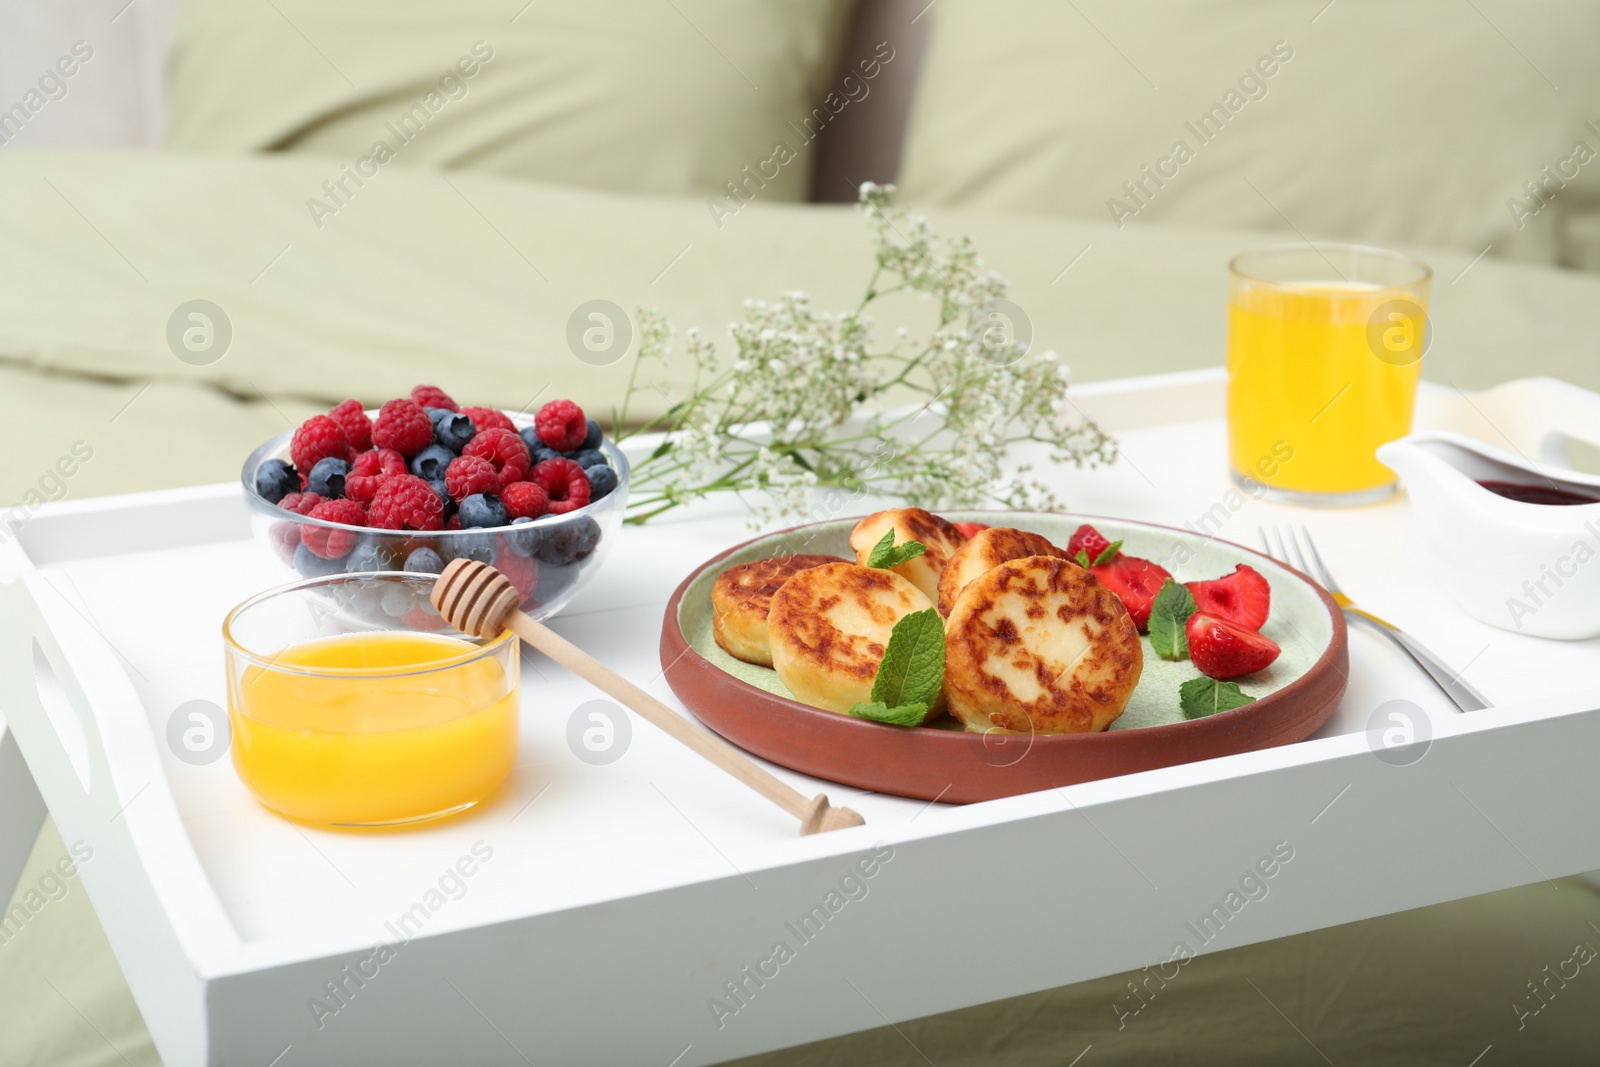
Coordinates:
477 599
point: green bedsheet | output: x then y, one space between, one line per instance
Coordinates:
469 281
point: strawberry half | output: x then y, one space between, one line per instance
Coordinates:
1243 597
1222 650
1136 582
969 529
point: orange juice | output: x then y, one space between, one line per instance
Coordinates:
378 727
1319 375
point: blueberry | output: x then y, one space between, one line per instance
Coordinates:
524 538
562 544
398 598
482 510
438 486
481 547
602 480
275 480
595 435
588 534
327 478
370 554
537 449
424 561
429 464
588 457
311 565
450 429
554 580
341 597
363 598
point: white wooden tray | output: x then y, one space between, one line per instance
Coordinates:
612 910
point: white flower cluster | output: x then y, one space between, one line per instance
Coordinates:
803 400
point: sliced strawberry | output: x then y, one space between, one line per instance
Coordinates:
1135 581
1222 650
1089 541
1243 597
969 529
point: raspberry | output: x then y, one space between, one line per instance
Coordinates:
352 418
577 497
564 482
524 500
300 503
286 538
318 438
404 427
505 450
418 618
454 523
431 396
333 544
562 425
489 419
405 502
523 572
370 469
468 475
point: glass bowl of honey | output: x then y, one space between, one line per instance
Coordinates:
352 703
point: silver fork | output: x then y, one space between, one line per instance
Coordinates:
1310 561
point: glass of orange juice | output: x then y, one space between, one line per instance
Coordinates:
1325 348
352 703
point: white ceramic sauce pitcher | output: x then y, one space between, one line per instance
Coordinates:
1528 568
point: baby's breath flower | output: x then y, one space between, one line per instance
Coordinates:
800 405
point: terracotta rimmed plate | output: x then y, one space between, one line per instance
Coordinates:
749 706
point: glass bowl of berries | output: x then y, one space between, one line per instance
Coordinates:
422 481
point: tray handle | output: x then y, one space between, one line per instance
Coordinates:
66 691
60 694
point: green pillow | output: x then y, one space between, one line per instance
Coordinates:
1419 122
672 97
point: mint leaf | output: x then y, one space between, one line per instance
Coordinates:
912 671
1106 556
911 674
913 714
1168 612
886 553
1199 697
